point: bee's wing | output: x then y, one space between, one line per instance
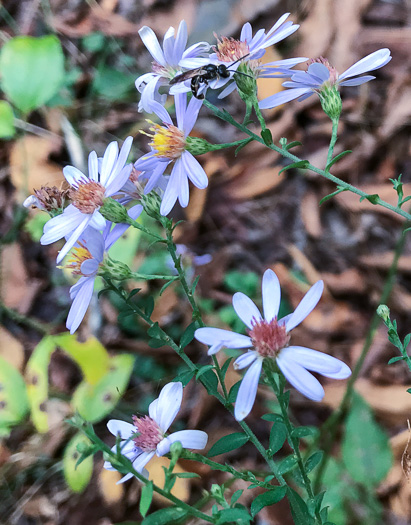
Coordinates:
186 75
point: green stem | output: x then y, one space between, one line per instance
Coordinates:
258 113
224 115
242 142
294 442
332 141
330 427
147 277
136 224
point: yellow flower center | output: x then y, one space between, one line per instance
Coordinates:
78 255
168 141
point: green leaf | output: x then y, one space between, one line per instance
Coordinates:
337 158
331 195
225 366
146 498
13 396
302 432
301 164
299 509
164 516
184 377
77 475
273 417
407 340
271 497
93 402
37 382
7 129
210 381
267 137
228 443
186 475
287 464
188 335
232 395
112 84
236 496
292 145
203 370
278 435
395 359
374 198
32 70
235 515
365 449
313 461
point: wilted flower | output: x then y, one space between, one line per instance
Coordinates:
47 198
269 338
321 76
87 194
167 62
147 435
171 144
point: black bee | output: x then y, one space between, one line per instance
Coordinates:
204 75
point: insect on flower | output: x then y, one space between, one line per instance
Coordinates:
201 76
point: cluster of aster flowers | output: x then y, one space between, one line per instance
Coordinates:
81 214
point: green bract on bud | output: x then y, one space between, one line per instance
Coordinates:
116 270
246 82
197 146
151 204
114 211
331 101
384 312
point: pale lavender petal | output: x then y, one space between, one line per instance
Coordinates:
72 239
257 40
152 409
286 62
178 178
169 198
248 391
245 309
168 45
194 62
315 361
285 31
121 428
302 380
226 91
213 336
245 359
142 81
369 63
307 304
125 478
180 101
281 98
194 51
94 242
93 167
149 39
191 115
89 267
279 22
319 70
73 176
32 200
169 403
117 180
149 94
97 221
109 159
192 439
62 225
161 112
194 170
80 304
246 33
271 292
147 162
356 81
141 461
180 42
155 176
123 155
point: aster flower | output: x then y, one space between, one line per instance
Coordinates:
85 261
147 435
320 77
247 51
87 194
269 338
170 144
167 62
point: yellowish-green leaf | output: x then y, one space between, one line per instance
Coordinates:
13 396
91 356
37 382
77 476
32 70
93 402
7 129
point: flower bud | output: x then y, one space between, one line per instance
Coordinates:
151 203
114 211
197 146
245 79
116 270
331 101
384 312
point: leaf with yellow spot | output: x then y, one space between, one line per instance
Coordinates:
93 402
37 382
77 475
13 397
91 356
